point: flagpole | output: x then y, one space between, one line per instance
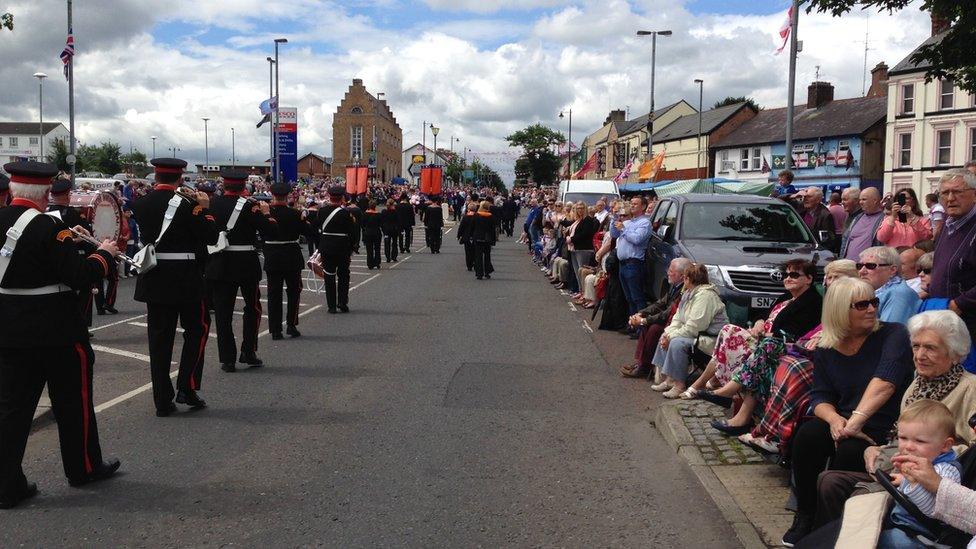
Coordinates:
71 104
794 21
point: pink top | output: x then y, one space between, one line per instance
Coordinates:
840 216
895 234
956 506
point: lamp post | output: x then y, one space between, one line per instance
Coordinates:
434 130
154 138
174 150
701 91
206 143
650 115
40 76
569 148
277 150
271 65
233 154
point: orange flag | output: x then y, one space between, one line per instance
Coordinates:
650 167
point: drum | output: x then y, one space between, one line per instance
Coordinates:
103 210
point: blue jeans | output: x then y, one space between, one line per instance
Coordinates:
893 538
674 361
632 282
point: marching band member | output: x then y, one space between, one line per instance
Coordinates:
337 238
283 261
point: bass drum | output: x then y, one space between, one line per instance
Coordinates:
103 210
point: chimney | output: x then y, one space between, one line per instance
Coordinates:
939 24
357 81
616 116
819 94
879 81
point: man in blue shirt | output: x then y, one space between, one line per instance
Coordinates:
632 237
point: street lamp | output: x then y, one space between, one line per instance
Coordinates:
271 128
154 138
434 130
701 91
277 151
569 149
650 115
174 150
206 143
40 76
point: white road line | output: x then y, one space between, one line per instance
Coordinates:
572 307
120 352
116 323
263 300
130 394
586 326
178 330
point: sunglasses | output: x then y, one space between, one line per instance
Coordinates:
793 275
925 271
972 421
864 304
871 266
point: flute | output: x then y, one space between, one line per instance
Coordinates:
91 240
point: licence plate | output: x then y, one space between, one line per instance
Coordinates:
763 302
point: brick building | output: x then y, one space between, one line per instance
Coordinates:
364 130
313 165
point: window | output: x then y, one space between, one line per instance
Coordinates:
619 155
904 150
1 141
730 221
357 110
972 144
756 159
33 141
946 90
723 164
908 99
356 144
744 160
13 141
662 210
943 144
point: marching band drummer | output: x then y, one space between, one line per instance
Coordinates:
237 268
44 338
174 289
59 203
283 261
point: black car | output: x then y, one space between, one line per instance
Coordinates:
742 239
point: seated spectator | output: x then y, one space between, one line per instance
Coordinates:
652 320
879 266
904 225
861 369
699 317
801 305
909 268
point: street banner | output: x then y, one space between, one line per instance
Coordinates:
356 179
431 179
288 142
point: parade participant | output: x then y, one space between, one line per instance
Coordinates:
390 222
372 235
59 203
509 213
464 234
434 224
4 189
483 234
407 219
283 261
237 269
44 339
337 231
180 227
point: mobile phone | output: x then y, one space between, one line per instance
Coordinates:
900 200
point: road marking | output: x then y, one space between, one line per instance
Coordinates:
178 330
120 352
116 323
572 307
586 326
130 394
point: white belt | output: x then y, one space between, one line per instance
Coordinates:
239 248
130 242
282 241
176 256
335 234
43 290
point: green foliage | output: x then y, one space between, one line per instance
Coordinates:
485 176
105 158
454 169
58 155
539 164
952 57
135 163
535 137
735 100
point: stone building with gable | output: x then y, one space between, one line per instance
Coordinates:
364 131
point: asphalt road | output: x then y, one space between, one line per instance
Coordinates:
442 412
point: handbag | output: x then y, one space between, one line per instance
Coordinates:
145 259
601 286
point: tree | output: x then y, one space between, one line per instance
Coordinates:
735 100
136 163
59 155
105 158
454 169
539 162
535 137
950 57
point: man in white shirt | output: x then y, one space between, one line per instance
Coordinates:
601 210
936 213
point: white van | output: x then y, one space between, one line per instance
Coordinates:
587 190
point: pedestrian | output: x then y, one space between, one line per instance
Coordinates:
407 220
632 237
44 338
283 261
465 236
179 227
904 225
337 232
483 235
434 225
839 214
861 232
236 268
372 235
936 213
390 223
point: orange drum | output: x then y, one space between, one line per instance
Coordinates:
103 210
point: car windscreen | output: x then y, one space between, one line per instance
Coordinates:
745 222
589 198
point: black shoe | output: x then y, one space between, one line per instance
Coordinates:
105 470
100 312
29 491
333 310
229 367
480 277
293 331
344 308
191 399
277 336
802 525
165 412
488 276
708 396
730 430
251 358
111 310
470 269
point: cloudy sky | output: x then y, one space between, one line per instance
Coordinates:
479 69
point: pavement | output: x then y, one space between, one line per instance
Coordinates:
442 411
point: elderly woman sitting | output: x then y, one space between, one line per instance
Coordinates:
861 369
880 266
700 311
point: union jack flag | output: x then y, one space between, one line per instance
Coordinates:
68 52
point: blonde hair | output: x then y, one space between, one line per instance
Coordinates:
932 413
485 206
836 319
841 267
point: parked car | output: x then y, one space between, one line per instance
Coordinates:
587 190
742 240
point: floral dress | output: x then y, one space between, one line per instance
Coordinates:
735 344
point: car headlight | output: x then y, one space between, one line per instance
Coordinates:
715 275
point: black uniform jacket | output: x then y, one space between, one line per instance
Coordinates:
405 215
465 226
192 229
509 210
71 217
357 217
45 255
244 266
372 225
434 218
286 257
336 237
389 220
483 228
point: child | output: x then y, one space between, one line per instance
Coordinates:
926 429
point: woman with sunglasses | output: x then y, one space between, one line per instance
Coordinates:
904 224
861 369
